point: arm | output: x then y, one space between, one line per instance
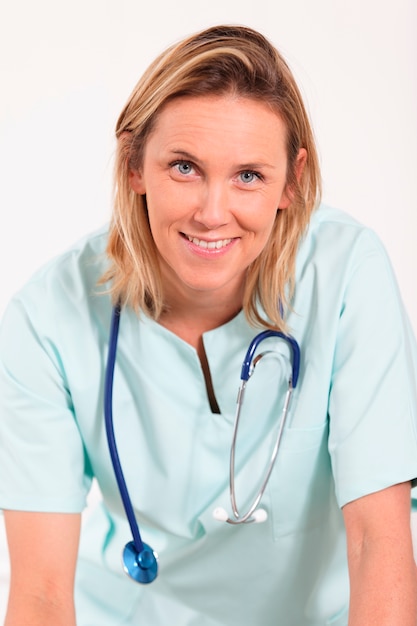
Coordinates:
382 570
43 551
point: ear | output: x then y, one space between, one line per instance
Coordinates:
287 195
137 182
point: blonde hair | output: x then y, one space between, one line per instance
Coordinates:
219 61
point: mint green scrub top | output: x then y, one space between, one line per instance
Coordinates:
351 431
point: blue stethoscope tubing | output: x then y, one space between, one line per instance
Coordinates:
140 562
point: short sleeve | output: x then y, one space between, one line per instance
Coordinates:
372 407
43 465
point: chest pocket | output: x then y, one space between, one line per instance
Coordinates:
301 484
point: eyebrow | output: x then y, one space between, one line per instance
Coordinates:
255 165
185 155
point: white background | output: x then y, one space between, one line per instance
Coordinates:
68 68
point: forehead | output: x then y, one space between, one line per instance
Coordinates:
226 122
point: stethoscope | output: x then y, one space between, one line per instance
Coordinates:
140 562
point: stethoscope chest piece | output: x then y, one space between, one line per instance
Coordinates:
141 566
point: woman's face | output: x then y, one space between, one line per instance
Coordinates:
214 175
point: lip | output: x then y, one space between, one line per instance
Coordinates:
208 246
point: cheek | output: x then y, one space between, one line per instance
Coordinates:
266 229
266 236
166 202
263 219
163 217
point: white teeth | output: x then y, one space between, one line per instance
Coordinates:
210 245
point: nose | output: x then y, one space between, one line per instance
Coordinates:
213 208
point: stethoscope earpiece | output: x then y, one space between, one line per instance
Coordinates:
257 517
141 566
220 514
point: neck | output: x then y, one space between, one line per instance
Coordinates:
189 316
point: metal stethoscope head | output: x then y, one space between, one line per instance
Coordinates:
255 514
140 561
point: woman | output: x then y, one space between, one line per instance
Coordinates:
214 237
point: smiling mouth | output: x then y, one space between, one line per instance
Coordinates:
209 245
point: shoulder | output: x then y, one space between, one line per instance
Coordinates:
336 226
73 274
341 263
86 256
337 241
64 296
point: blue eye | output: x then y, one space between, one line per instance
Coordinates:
184 167
249 176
